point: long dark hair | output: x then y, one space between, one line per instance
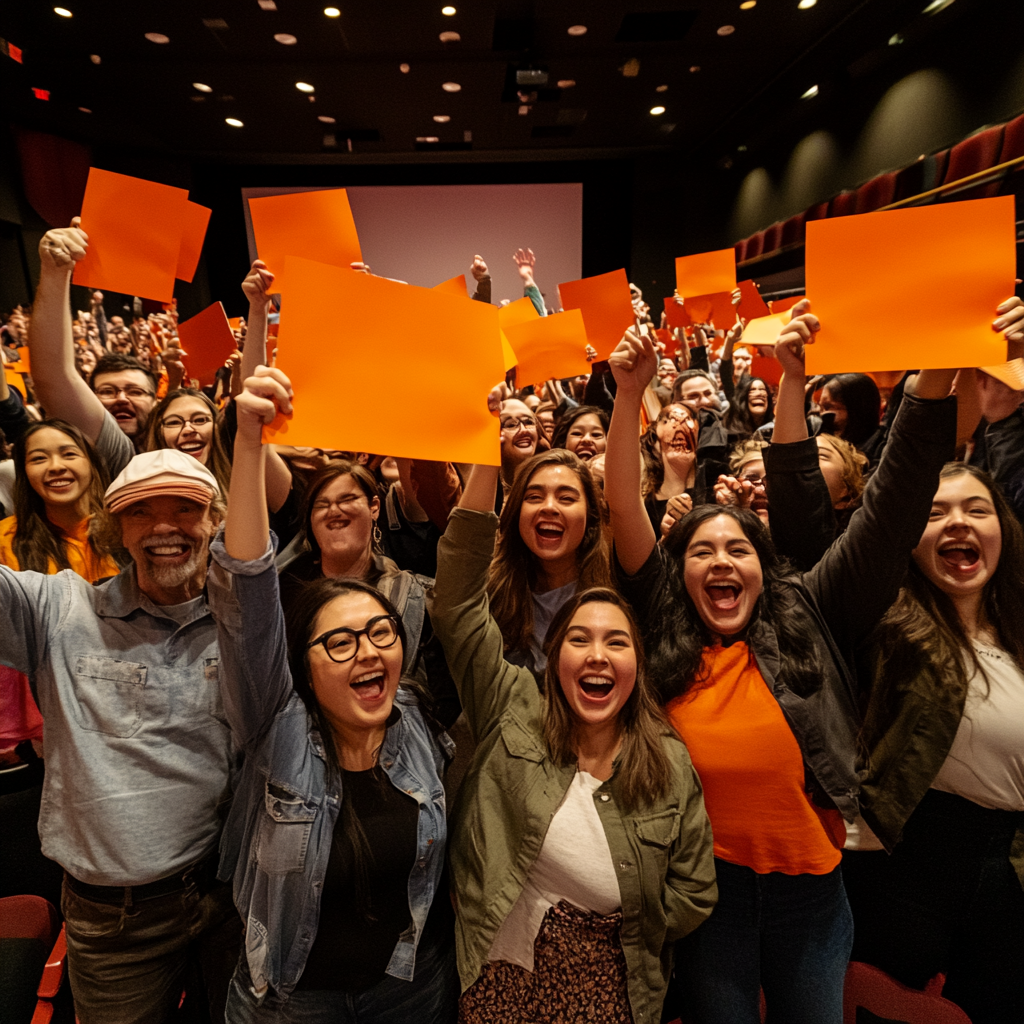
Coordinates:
37 541
644 768
676 637
738 419
859 393
561 432
650 448
219 464
513 572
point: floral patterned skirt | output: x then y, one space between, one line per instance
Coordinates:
578 977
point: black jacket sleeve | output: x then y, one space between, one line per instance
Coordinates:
13 418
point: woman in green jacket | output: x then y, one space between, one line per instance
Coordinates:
580 845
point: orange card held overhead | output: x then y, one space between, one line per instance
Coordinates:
911 288
751 304
706 272
550 347
208 340
193 232
338 399
676 314
135 234
14 380
765 330
453 286
606 305
305 224
512 313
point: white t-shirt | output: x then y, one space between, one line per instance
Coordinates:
574 864
986 762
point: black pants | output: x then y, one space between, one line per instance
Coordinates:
947 900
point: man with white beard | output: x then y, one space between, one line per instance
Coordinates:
139 761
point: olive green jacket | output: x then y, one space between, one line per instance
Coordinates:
662 853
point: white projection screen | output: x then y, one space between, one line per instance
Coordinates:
425 234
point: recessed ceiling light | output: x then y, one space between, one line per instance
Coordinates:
332 12
694 68
524 109
727 30
427 138
448 10
326 119
234 122
741 149
895 39
201 87
157 37
662 88
449 37
806 5
267 5
304 87
285 38
442 118
577 30
95 58
404 68
62 11
812 92
936 5
451 86
566 83
85 110
657 110
748 5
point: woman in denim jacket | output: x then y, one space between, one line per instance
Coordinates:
336 836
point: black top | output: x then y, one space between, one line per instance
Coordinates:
356 937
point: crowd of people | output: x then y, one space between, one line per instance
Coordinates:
712 685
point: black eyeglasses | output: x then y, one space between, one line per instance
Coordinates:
341 644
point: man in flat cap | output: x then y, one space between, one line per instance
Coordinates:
139 761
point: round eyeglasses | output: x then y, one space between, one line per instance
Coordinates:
341 644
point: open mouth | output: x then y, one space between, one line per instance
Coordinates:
524 442
960 556
586 450
193 448
724 597
123 416
680 444
370 686
597 688
60 484
549 532
171 552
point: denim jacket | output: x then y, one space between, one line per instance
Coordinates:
278 836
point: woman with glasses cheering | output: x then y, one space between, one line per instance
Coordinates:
337 833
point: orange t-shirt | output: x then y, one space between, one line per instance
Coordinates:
82 556
752 771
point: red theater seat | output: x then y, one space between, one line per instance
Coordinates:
977 153
871 989
876 193
843 204
772 239
754 245
741 250
793 229
1013 140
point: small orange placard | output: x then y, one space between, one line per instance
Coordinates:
606 305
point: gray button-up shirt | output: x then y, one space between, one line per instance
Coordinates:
139 756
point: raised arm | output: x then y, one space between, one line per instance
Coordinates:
58 385
633 364
482 276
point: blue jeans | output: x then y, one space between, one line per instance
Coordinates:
430 998
787 934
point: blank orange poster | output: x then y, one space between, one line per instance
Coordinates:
676 314
765 330
550 347
606 305
313 225
208 340
14 380
26 360
193 233
453 286
134 230
751 304
706 272
911 288
334 359
699 307
512 313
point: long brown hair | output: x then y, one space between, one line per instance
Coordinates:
219 464
320 479
37 541
644 767
923 631
650 449
513 573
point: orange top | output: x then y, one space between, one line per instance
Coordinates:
82 556
752 771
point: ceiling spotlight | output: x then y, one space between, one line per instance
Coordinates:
694 68
449 37
657 110
448 10
741 148
304 87
662 88
566 83
95 58
326 119
201 87
451 86
442 118
748 5
157 37
934 7
285 38
524 109
811 93
806 5
62 11
895 39
577 30
727 30
404 68
233 121
427 138
332 12
85 110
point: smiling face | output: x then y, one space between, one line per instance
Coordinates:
187 425
677 431
757 399
753 472
355 695
722 574
342 519
698 393
741 362
57 469
553 516
597 663
960 547
518 432
586 437
128 396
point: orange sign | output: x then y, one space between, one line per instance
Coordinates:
208 340
706 272
550 347
606 305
